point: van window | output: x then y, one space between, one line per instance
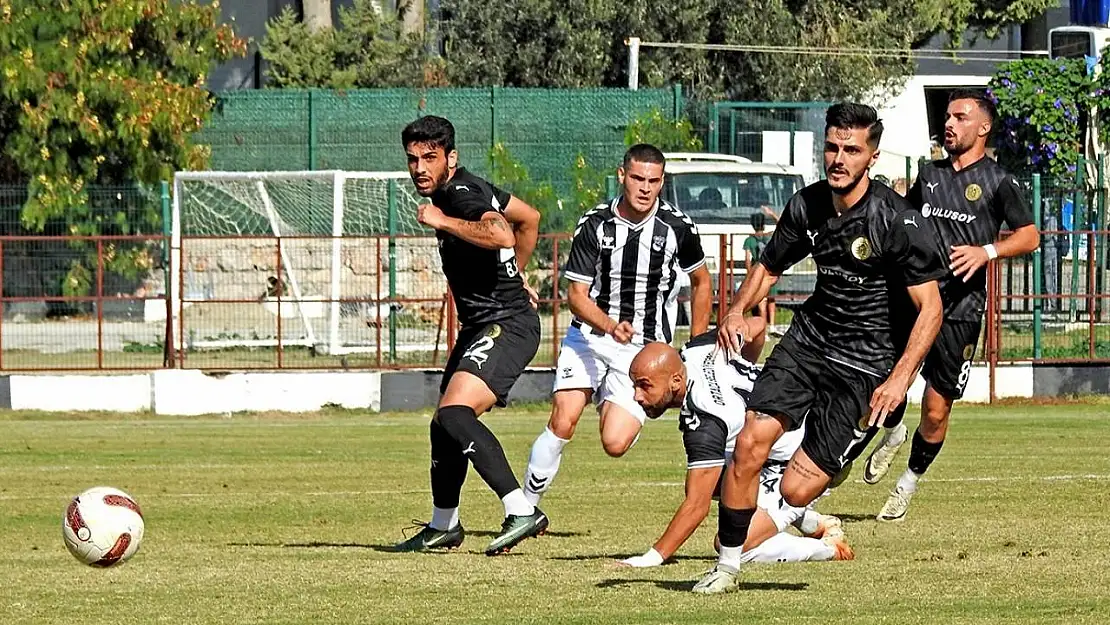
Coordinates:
729 198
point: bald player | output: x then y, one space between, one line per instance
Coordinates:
712 390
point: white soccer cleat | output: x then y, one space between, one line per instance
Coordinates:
896 506
721 579
878 463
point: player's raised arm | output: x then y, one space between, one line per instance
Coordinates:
491 231
911 243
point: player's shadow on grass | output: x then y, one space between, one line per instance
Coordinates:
491 534
308 545
688 585
855 518
621 556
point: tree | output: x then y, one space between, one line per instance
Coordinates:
580 43
369 49
317 15
102 92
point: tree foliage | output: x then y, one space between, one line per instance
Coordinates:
580 43
102 92
369 49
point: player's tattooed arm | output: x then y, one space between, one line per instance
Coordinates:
525 221
491 231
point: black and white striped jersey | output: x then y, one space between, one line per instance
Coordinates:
968 207
632 267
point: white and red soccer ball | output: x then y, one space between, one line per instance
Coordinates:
103 526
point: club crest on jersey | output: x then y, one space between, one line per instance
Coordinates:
657 243
861 248
973 192
608 243
494 331
969 351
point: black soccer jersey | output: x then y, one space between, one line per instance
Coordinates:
632 268
865 257
486 283
968 207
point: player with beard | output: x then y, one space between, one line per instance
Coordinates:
846 360
499 336
967 196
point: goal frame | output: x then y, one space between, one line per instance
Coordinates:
338 178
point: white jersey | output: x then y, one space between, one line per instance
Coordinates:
717 390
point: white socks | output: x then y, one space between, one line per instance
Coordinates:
908 482
895 435
543 464
517 504
784 547
444 519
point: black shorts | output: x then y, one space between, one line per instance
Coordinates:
829 398
496 352
948 363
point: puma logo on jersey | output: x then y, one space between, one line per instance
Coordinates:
812 234
909 221
461 187
469 448
931 185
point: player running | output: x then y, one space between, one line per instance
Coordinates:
623 267
967 196
499 336
711 389
846 361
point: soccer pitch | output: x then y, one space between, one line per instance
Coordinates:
285 519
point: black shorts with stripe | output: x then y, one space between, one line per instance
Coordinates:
830 398
496 352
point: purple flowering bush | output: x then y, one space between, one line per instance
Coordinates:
1043 106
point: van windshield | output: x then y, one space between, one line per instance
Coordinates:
729 198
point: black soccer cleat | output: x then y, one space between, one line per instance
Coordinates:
516 528
429 539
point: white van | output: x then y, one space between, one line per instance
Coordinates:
721 192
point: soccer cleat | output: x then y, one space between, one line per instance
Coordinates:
516 528
429 538
721 579
896 506
839 542
827 525
878 463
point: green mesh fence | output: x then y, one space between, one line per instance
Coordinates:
545 129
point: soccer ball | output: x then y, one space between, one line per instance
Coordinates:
102 526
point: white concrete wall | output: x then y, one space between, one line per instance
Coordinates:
906 122
65 393
1012 381
189 392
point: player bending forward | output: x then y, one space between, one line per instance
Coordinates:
712 389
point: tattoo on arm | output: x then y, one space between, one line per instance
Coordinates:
497 222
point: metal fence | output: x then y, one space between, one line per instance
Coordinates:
359 129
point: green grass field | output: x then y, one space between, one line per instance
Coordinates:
281 519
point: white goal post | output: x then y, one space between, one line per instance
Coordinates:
231 231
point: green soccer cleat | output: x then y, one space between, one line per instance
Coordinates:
429 539
515 529
721 579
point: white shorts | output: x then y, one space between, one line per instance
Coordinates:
600 364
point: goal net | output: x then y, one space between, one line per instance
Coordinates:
330 260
